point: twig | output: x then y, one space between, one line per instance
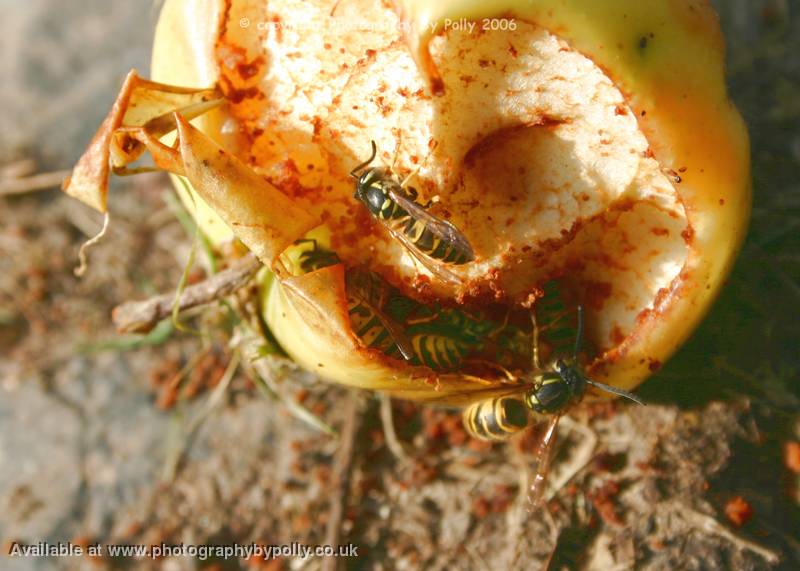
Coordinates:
142 316
17 169
33 183
341 478
710 525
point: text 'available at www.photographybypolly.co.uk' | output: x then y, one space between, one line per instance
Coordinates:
162 550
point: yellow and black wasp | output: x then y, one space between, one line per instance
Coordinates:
427 238
546 390
316 257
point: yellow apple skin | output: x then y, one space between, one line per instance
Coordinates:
666 57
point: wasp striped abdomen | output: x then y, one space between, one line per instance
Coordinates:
440 352
430 243
496 419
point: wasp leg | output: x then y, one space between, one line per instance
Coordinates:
538 330
558 317
419 320
474 379
404 182
537 365
502 326
311 241
397 147
496 366
419 166
435 199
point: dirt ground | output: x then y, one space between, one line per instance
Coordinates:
102 440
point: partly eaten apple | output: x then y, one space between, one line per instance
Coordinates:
582 142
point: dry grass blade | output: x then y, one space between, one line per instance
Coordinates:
82 257
267 385
178 448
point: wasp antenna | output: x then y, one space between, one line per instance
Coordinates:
616 391
535 341
365 163
397 147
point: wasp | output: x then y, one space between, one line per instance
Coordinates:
367 295
548 390
430 240
316 257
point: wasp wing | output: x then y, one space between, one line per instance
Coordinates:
393 328
397 333
544 454
373 292
442 228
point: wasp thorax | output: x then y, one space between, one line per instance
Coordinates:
556 390
371 190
